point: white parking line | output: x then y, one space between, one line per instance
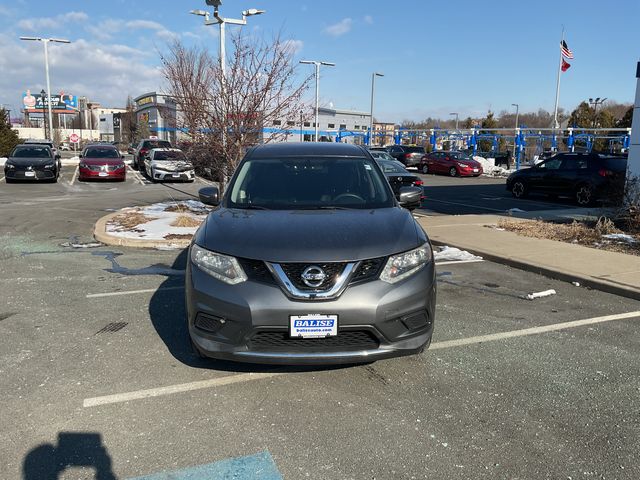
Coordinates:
75 175
131 292
206 182
531 331
465 205
1 178
454 262
183 387
245 377
137 176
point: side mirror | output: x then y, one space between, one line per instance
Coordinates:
410 197
122 157
209 196
80 156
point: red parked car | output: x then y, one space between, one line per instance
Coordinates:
102 162
454 164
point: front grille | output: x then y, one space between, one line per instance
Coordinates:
103 168
256 270
331 270
345 340
368 269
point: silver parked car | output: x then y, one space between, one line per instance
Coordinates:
310 259
163 164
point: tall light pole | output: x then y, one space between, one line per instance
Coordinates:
218 20
317 65
456 114
45 42
515 131
595 103
373 87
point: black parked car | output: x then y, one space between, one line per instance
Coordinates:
32 162
586 177
408 155
398 177
143 149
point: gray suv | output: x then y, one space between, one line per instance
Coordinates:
310 259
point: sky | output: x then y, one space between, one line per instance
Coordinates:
437 57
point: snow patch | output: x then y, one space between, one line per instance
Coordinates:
489 167
449 254
622 237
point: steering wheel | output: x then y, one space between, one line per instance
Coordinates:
349 197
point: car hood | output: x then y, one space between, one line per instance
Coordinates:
25 162
170 164
310 235
102 161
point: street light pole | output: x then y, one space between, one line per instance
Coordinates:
373 86
317 67
456 114
44 113
595 103
45 42
515 131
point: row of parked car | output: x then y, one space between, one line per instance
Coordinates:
157 159
454 164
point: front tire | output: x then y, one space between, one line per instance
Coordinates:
453 172
519 189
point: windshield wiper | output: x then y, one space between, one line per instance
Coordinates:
253 207
325 207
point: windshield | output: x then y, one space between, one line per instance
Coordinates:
32 152
102 153
381 155
460 156
310 183
390 167
171 155
156 144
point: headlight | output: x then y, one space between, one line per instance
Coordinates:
222 267
83 165
119 166
405 264
10 166
463 165
49 166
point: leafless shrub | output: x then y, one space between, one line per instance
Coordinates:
222 115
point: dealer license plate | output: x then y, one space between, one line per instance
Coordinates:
475 170
175 175
103 174
29 174
313 325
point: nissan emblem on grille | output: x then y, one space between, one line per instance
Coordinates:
313 276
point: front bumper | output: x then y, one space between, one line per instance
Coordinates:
20 174
469 172
163 175
86 173
376 320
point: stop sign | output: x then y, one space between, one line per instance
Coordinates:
74 138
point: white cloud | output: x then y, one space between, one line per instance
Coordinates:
104 73
59 22
368 19
340 28
145 24
295 46
106 29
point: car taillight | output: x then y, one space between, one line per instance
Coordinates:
605 173
418 183
143 151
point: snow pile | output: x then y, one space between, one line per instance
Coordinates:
489 167
452 254
156 221
622 237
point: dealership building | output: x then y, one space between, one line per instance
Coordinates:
158 112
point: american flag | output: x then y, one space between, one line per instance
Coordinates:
565 50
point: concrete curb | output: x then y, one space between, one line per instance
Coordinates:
101 235
557 274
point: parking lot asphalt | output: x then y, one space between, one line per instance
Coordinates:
97 374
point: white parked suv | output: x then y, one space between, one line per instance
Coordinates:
162 164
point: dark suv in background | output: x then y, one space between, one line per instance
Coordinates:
408 155
585 177
143 149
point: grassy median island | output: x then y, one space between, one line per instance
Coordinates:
621 235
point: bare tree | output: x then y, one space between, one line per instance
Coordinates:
223 115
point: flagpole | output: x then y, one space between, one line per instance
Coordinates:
555 110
